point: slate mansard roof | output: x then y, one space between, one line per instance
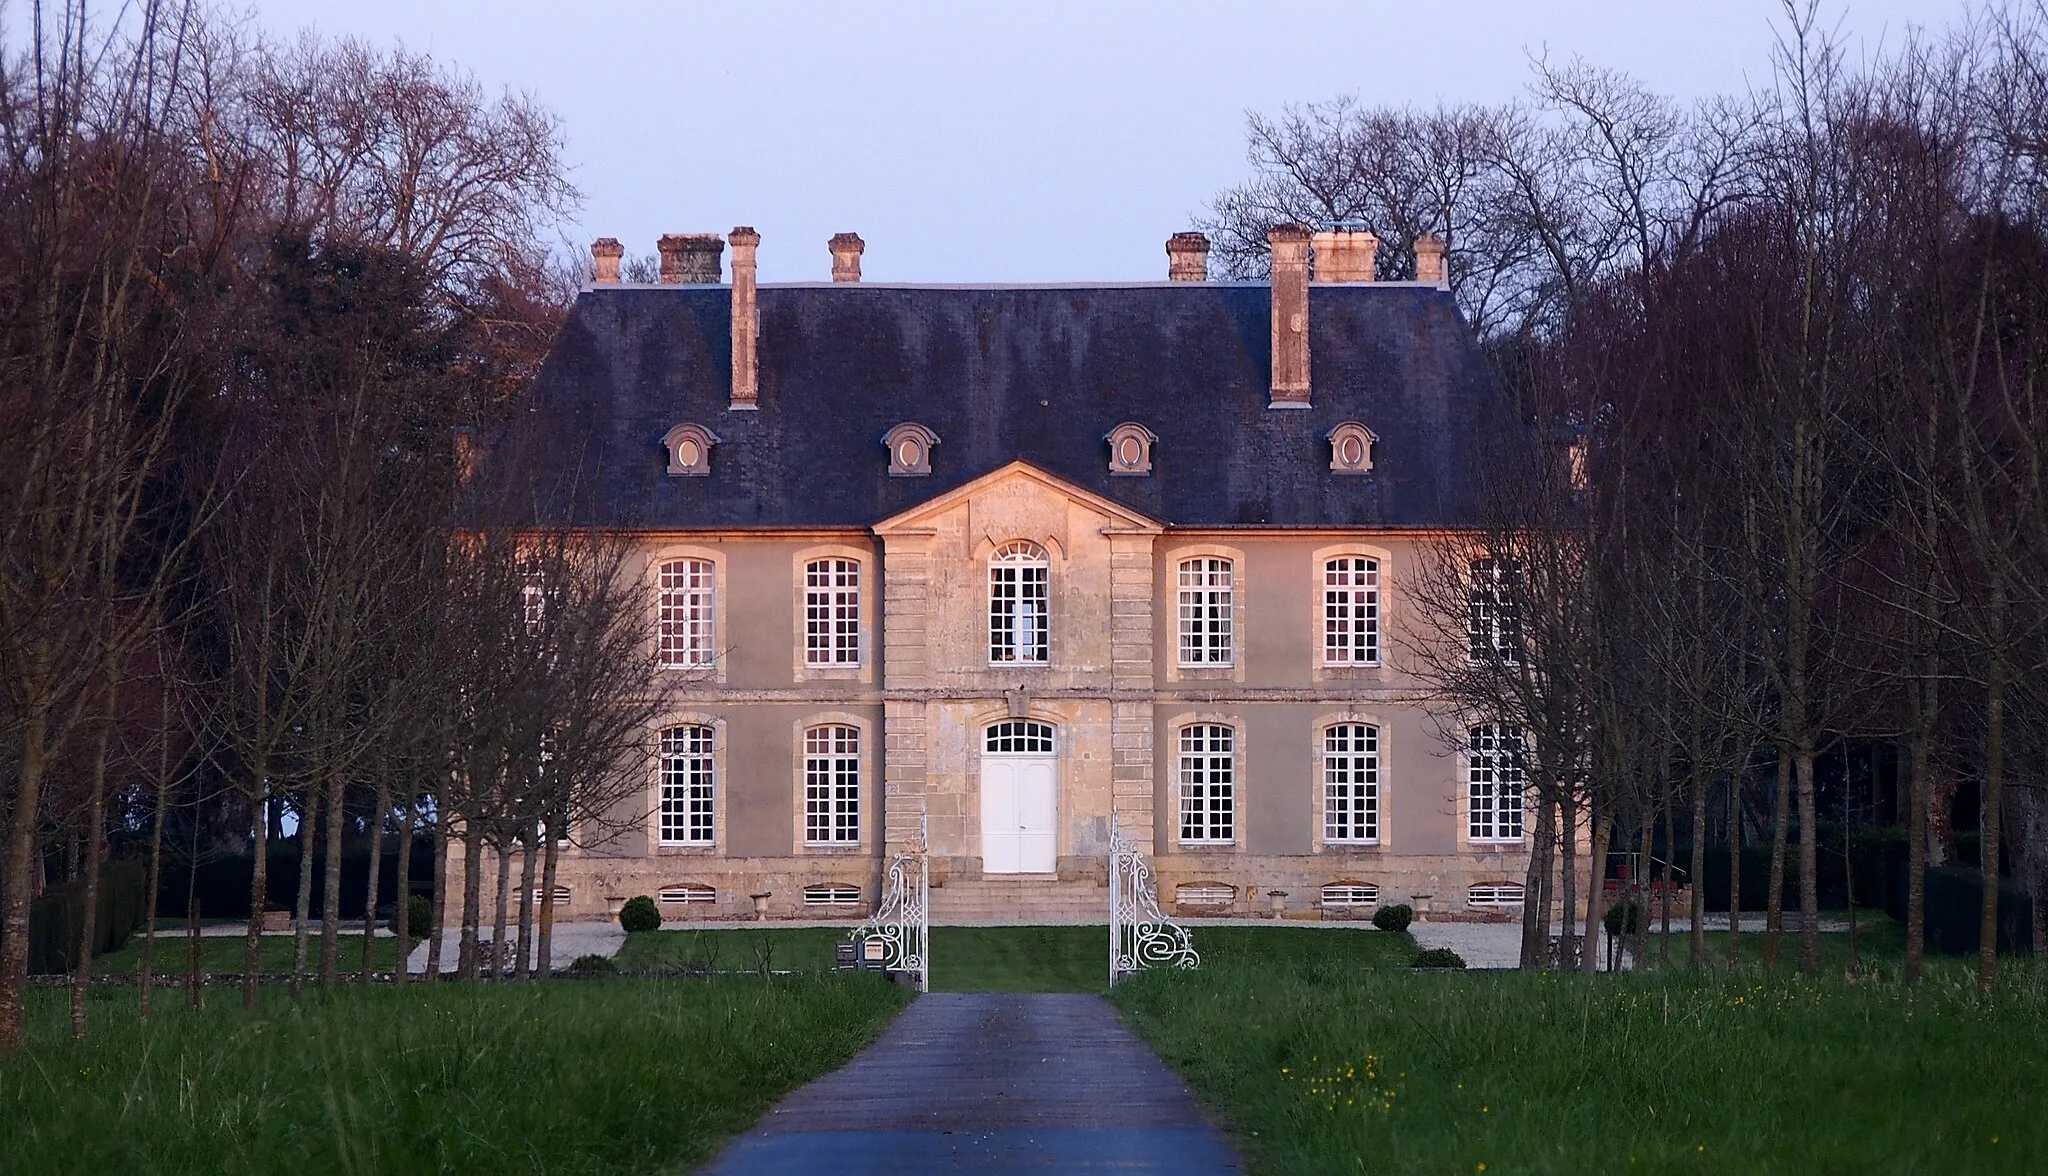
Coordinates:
1003 373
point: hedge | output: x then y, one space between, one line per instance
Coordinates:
1955 911
54 919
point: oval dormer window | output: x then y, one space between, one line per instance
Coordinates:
1351 446
689 450
910 450
1130 449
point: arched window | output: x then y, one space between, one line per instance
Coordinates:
1496 757
1019 575
832 785
688 787
1208 776
1351 611
1208 599
1351 783
1018 737
689 611
832 612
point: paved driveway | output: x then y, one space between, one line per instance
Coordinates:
990 1083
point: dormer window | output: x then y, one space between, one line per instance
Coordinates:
910 450
689 450
1130 450
1351 447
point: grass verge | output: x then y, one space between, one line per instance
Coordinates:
568 1077
1327 1070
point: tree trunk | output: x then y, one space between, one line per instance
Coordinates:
472 897
1664 895
401 927
1696 873
437 920
1647 849
1536 889
1994 800
95 835
1596 894
259 884
529 853
1922 697
194 995
14 887
1568 853
330 895
1809 861
302 906
377 816
1774 900
501 914
146 972
544 967
1734 872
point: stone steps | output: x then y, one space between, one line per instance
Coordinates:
1019 901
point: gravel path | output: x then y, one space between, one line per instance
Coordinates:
990 1083
603 938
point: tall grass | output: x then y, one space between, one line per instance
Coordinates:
1658 1072
567 1077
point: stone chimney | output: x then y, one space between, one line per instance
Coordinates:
1345 255
1429 261
846 250
1290 315
746 320
1187 258
605 253
690 258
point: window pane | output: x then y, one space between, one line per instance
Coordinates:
1351 611
1207 612
832 785
1498 773
832 612
1351 802
687 623
1018 582
688 790
1207 779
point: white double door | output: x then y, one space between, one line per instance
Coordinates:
1019 814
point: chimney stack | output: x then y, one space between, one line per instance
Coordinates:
746 320
690 258
605 253
1290 315
846 250
1346 254
1187 258
1429 261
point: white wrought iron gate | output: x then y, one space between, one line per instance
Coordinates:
1139 936
902 921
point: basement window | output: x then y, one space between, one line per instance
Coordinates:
1494 894
688 893
1204 894
1351 894
831 896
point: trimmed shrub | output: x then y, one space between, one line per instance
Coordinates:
594 965
419 919
1437 957
640 914
1394 918
1623 917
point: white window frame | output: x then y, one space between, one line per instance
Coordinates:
687 813
687 625
1351 894
1492 622
1019 737
832 784
1351 784
1208 611
1207 776
1019 604
1497 784
832 631
1351 610
1496 894
832 894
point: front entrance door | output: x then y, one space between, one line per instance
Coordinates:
1019 800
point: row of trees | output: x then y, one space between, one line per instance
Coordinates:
1783 353
254 300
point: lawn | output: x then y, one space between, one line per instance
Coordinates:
1319 1069
568 1077
1009 959
225 954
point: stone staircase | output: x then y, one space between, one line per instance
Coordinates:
1019 900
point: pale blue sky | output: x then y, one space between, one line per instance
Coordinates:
1047 141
